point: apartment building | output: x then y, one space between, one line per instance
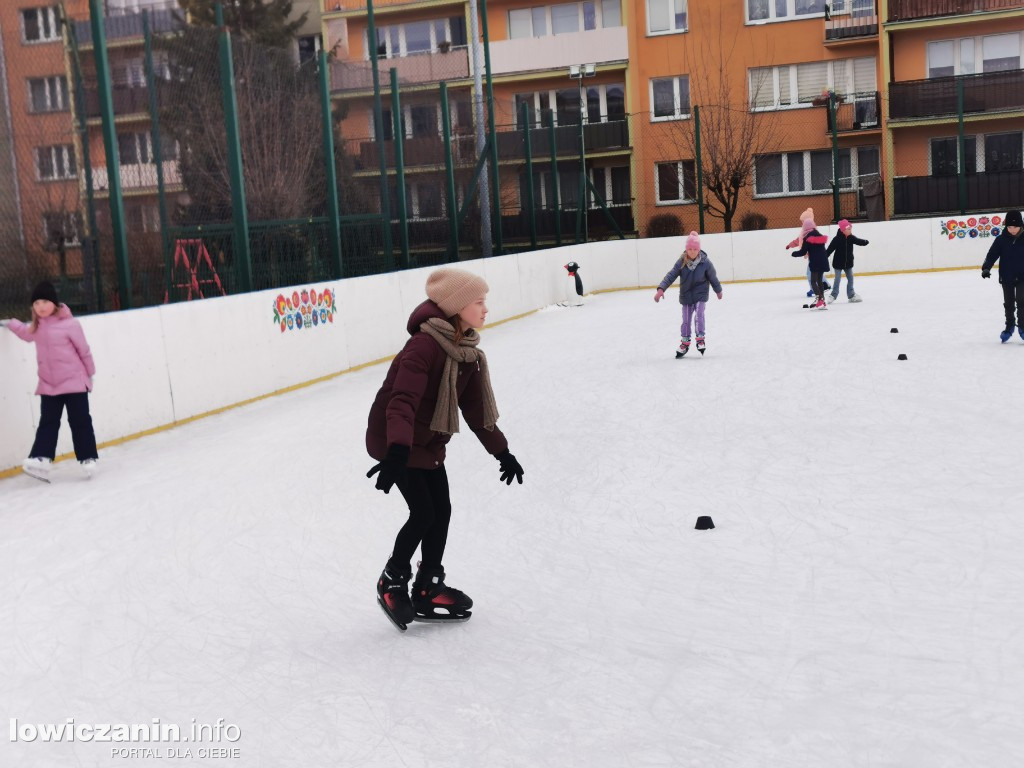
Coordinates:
941 58
40 208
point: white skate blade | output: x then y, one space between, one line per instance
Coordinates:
443 619
42 477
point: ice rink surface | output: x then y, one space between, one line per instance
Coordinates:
853 607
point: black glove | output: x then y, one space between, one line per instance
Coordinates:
392 469
985 272
510 468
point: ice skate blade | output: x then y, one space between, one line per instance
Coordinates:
36 476
443 619
398 625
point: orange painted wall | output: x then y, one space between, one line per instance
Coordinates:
909 61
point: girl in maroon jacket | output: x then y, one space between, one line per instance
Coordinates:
440 370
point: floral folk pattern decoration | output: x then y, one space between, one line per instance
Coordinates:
305 309
972 227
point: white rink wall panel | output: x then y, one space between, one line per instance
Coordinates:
164 364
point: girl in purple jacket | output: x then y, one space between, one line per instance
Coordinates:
440 372
65 380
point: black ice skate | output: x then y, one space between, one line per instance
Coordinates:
684 347
393 596
433 600
701 346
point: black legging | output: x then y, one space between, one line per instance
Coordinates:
1013 295
818 284
430 511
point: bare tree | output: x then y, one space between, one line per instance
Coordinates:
732 134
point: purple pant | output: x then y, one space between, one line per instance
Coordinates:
688 311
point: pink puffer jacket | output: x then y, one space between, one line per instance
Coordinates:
62 353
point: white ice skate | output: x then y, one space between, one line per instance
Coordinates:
38 468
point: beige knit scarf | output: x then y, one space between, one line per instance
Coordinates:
446 413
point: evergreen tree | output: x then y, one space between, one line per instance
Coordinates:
267 22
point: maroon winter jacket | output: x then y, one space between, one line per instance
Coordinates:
404 406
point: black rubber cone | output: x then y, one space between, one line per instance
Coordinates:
705 523
894 330
901 357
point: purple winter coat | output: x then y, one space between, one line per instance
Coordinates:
62 353
404 405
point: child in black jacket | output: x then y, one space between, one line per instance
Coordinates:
1008 250
842 260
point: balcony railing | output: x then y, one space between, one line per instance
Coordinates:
138 176
857 112
429 150
412 70
130 25
988 92
127 101
517 227
909 10
919 195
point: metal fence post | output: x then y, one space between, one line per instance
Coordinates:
836 212
961 166
700 168
378 134
453 203
124 277
154 118
529 176
495 182
242 253
403 213
332 171
554 179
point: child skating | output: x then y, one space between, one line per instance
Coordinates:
65 379
841 250
696 274
440 371
807 215
1008 250
812 248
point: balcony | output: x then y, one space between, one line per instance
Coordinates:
594 46
988 92
912 10
137 177
517 226
857 112
859 25
127 101
412 70
118 28
429 150
921 195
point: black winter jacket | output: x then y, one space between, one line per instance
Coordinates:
1009 252
842 247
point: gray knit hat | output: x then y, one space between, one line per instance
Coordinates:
454 289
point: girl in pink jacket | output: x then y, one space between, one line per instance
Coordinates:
65 380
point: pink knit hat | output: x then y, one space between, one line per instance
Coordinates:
807 226
693 242
843 224
454 289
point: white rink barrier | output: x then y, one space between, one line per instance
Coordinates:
161 365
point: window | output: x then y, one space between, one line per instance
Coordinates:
782 10
309 48
567 106
564 18
810 172
62 228
670 98
676 182
1003 152
56 162
604 103
612 184
417 37
970 55
141 217
422 121
40 25
666 16
48 94
944 156
136 148
799 84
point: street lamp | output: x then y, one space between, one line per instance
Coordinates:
578 72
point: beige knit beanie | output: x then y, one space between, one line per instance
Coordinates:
454 289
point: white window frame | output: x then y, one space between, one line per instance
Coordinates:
677 113
606 193
790 71
61 158
809 191
77 226
791 14
672 17
682 183
979 147
49 11
978 42
57 100
402 53
598 18
539 120
413 212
